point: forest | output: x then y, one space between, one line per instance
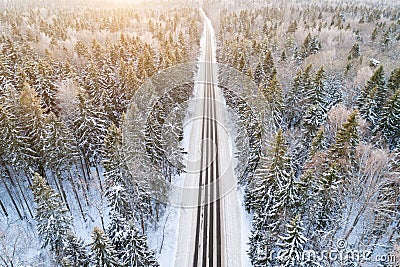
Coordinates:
330 76
67 75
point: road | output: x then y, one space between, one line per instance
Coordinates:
210 227
207 248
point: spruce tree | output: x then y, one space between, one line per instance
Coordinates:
373 96
89 129
103 253
273 94
314 117
45 85
318 142
354 52
7 136
265 70
390 121
120 201
30 129
74 252
292 243
112 161
53 221
59 145
393 83
117 176
326 197
277 176
136 251
261 241
298 97
317 94
370 110
347 139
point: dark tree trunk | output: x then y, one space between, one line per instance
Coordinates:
63 194
20 188
71 180
11 198
3 208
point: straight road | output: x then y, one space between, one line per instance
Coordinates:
210 232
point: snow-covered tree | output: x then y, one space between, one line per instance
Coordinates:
390 120
317 93
136 251
326 198
373 96
53 221
261 241
347 139
292 243
74 252
103 253
273 175
314 118
90 128
393 83
129 243
30 125
272 196
273 94
59 145
297 98
113 158
310 46
265 69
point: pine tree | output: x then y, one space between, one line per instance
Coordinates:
137 252
393 83
346 139
103 253
74 252
390 120
317 93
373 96
261 241
89 129
326 197
314 117
278 174
273 94
298 98
292 243
370 110
30 129
53 221
59 145
265 70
